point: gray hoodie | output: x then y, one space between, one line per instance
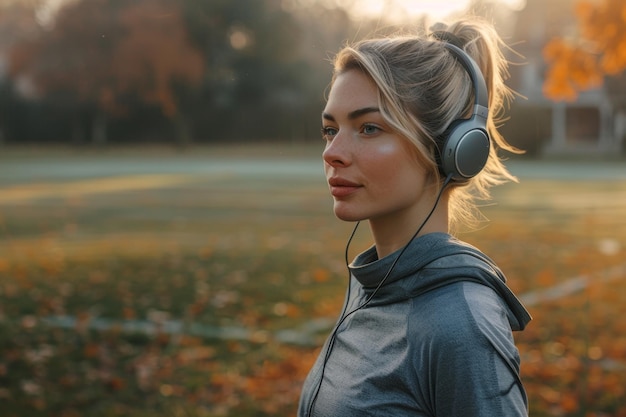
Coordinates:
435 340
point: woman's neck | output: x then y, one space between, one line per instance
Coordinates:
393 232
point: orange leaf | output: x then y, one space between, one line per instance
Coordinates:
321 275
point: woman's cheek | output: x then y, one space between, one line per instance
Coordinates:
389 149
387 159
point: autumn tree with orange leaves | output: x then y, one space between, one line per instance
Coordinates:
600 50
104 54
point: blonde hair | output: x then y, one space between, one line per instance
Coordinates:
423 88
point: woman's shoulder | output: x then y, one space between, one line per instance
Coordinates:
456 313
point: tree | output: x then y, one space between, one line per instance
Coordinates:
102 54
17 24
254 72
231 69
583 62
155 60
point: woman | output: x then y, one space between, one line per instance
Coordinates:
427 325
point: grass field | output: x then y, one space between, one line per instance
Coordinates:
202 284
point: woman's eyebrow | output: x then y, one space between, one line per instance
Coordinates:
355 114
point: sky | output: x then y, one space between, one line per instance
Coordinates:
437 9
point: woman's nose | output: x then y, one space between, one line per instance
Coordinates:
337 152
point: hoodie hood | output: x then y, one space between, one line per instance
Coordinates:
432 261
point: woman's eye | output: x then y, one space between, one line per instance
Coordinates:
370 129
328 132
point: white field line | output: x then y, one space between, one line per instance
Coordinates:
305 335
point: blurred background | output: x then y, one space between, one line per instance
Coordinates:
167 244
107 72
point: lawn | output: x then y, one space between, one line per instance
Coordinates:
199 292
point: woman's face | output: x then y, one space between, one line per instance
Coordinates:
372 172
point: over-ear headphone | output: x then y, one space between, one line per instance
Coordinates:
465 147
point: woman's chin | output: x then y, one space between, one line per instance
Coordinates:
347 215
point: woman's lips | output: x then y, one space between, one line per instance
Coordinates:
340 187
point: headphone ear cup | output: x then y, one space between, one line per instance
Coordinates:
465 149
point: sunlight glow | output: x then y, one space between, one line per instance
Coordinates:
48 9
435 9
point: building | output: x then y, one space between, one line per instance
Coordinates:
592 124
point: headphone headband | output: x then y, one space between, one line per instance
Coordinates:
481 97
